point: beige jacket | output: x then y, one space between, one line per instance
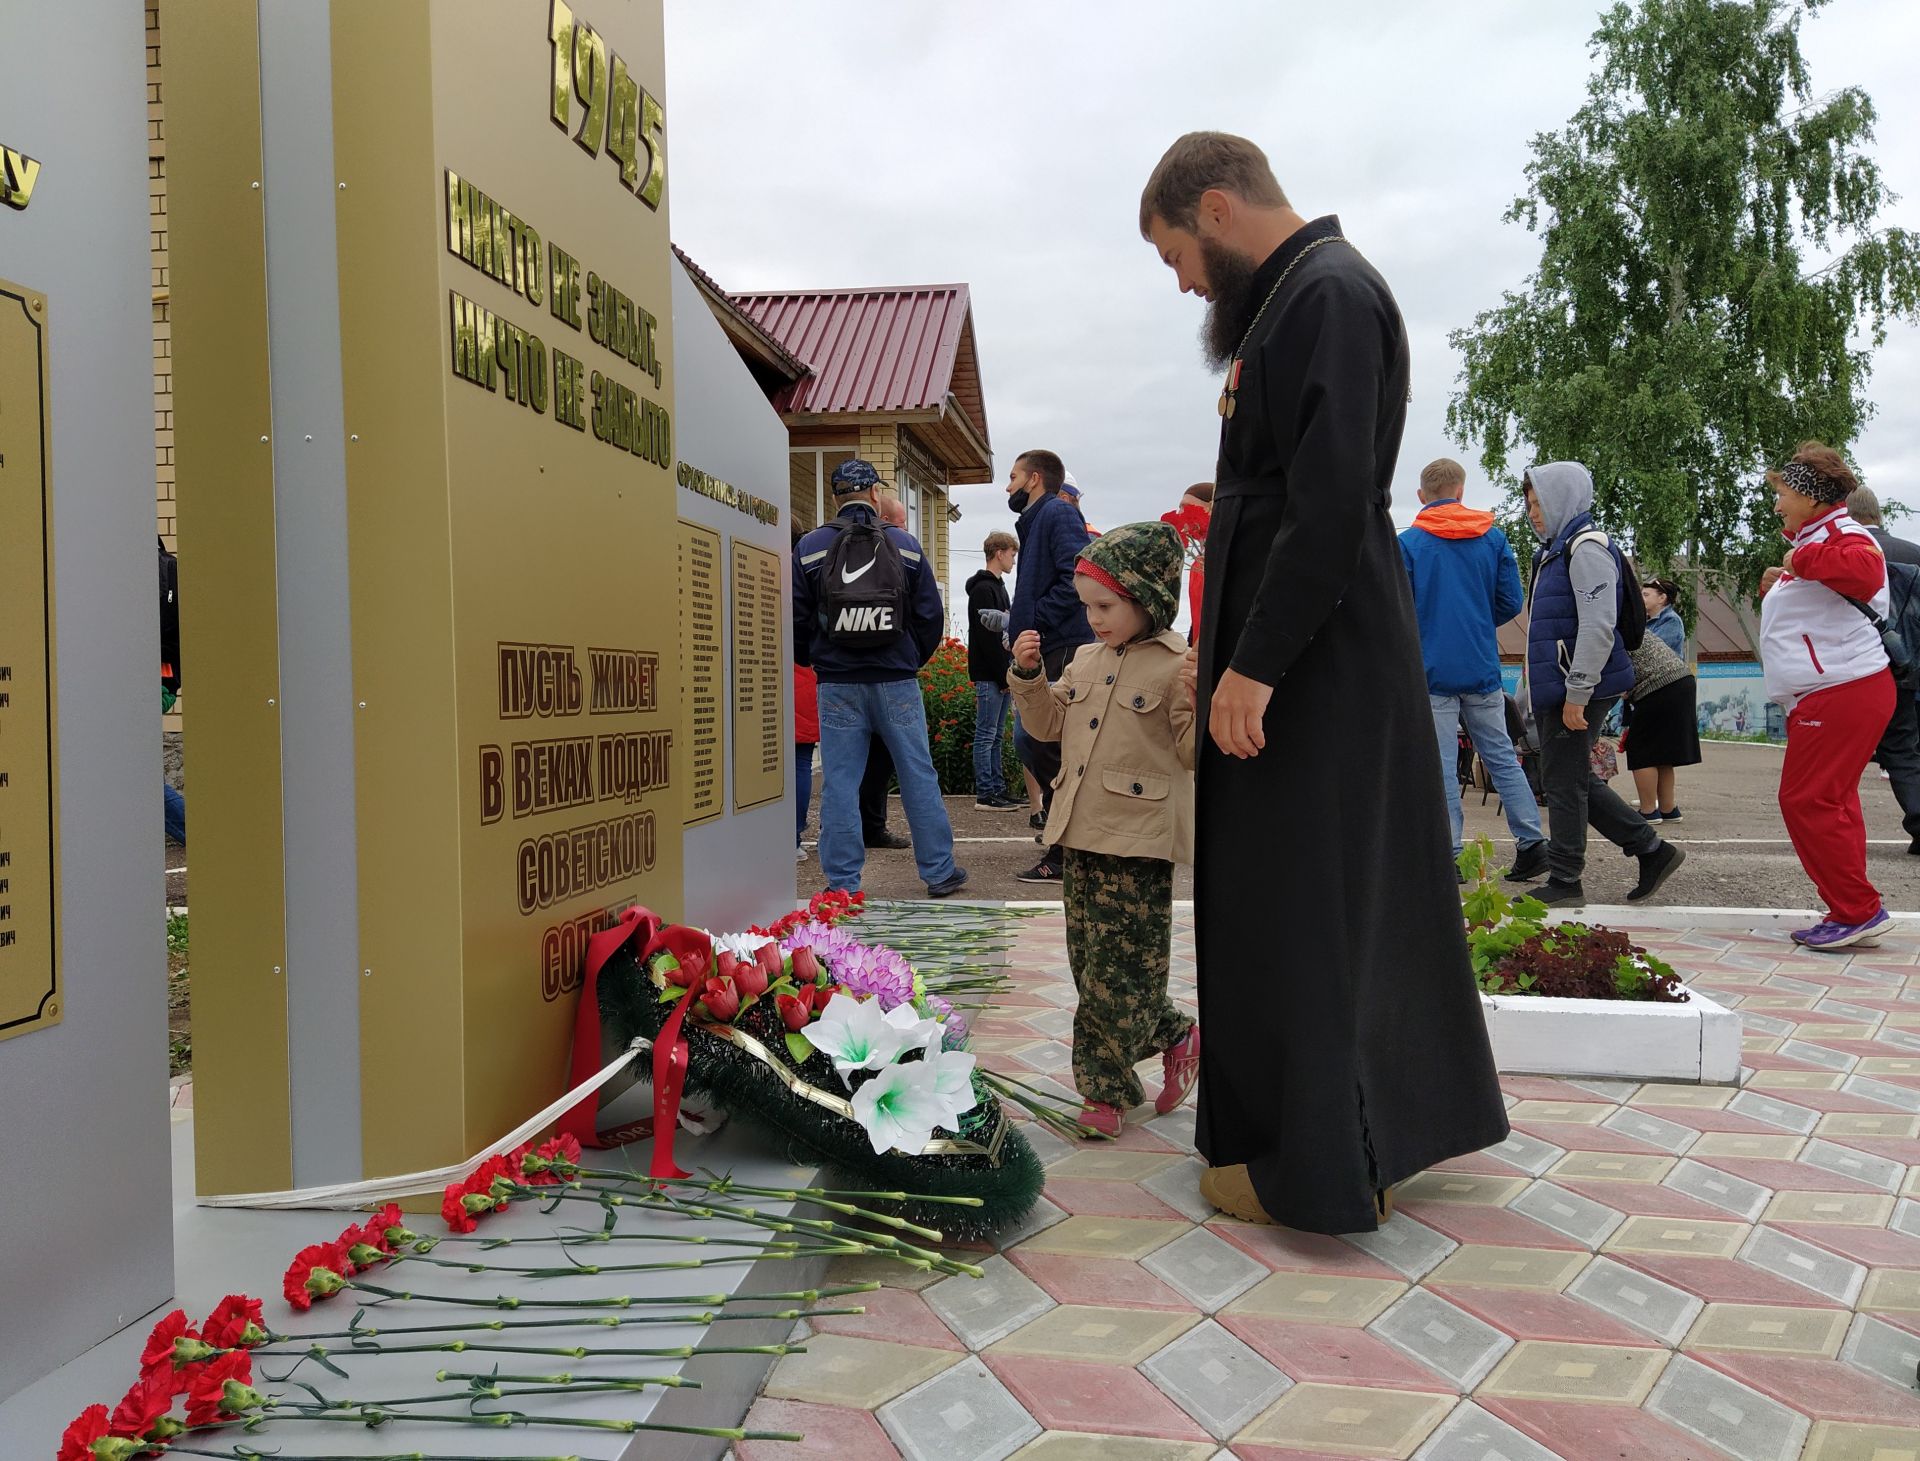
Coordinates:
1125 726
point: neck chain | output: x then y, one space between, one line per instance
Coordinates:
1227 396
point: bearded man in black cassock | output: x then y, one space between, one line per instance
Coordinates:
1345 1045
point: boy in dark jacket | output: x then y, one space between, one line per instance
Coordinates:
987 662
872 689
1052 533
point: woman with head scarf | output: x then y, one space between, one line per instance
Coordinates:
1663 728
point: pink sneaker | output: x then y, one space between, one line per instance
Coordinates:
1103 1122
1181 1063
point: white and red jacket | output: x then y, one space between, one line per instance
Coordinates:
1811 638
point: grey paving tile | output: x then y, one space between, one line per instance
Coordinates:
1614 1091
1669 1136
1404 1245
1812 1268
1216 1379
962 1414
1055 1022
1755 1023
1055 992
1722 1189
1567 1212
981 1310
1044 1215
1858 1013
1906 1217
1783 1114
1900 1097
1722 1411
1046 1146
1177 1125
1817 1055
1875 1171
1881 1350
1206 1268
1904 1039
1178 1185
1530 1154
1445 1339
1470 1434
1049 1057
1641 1300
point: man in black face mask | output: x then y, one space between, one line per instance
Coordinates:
1052 533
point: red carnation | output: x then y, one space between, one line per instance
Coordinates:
144 1405
721 997
235 1323
76 1442
222 1388
553 1160
159 1347
318 1271
392 1225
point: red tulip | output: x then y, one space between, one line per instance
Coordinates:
721 998
692 948
795 1009
771 961
727 962
806 968
749 978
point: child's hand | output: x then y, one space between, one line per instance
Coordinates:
1026 649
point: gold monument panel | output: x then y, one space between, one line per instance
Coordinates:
703 725
759 610
29 817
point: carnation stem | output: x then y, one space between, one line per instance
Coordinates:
624 1301
597 1321
375 1415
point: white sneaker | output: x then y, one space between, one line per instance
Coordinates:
800 853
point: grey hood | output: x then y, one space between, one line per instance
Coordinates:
1565 490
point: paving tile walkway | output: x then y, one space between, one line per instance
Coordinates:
1662 1272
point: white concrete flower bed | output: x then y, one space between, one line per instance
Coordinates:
1614 1039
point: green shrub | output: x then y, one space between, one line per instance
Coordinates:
949 698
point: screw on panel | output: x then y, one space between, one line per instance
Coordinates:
363 705
270 701
276 968
309 438
256 187
343 187
354 437
263 441
366 973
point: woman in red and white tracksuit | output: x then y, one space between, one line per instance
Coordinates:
1825 664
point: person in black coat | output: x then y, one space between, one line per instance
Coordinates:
987 661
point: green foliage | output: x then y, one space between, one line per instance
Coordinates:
179 998
1515 951
949 698
176 935
1676 337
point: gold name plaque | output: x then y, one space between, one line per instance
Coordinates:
29 822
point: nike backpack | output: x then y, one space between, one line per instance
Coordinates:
863 586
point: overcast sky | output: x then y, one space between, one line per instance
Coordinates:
1004 143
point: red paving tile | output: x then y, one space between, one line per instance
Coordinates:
1284 1248
1645 1199
1064 1395
830 1430
1823 1389
1467 1222
897 1316
1875 1247
1580 1432
1086 1197
1528 1315
1723 1280
1541 1088
1111 1281
1785 1176
1331 1354
1248 1452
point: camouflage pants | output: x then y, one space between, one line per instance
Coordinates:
1119 939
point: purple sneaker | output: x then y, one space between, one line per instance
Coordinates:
1833 936
1819 930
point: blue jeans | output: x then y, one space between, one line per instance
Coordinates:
1486 717
176 813
802 788
850 715
989 725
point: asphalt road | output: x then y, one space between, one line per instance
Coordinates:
1737 849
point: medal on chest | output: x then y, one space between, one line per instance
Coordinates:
1233 386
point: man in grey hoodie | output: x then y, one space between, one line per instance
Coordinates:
1577 667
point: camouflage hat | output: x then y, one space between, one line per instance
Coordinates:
1144 560
854 476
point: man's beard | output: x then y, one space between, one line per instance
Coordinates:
1230 303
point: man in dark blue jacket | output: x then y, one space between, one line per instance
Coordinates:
1466 584
872 690
1052 533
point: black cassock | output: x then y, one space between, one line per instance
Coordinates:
1345 1046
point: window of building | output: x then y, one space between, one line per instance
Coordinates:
808 468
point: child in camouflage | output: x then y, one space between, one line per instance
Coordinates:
1123 813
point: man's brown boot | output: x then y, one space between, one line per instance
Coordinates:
1231 1190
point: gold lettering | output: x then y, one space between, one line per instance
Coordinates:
623 125
590 85
18 174
653 123
560 35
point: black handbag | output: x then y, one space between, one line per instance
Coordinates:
1899 657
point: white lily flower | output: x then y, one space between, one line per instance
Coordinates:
914 1030
899 1107
952 1083
740 945
855 1035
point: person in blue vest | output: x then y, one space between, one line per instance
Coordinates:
1577 668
